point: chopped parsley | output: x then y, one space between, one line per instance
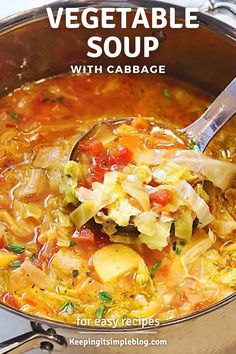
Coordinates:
16 247
14 115
68 307
167 93
177 248
104 296
72 243
32 257
100 312
156 266
75 273
193 145
15 264
177 292
152 275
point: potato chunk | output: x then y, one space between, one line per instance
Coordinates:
65 261
112 261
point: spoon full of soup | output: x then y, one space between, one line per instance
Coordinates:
200 132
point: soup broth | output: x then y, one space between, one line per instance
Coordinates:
57 262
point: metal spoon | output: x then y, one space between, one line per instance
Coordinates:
201 131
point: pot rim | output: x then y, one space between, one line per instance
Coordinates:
207 21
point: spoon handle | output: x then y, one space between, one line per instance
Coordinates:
219 112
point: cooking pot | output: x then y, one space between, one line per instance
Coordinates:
206 57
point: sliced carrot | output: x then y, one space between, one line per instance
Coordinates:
10 300
140 123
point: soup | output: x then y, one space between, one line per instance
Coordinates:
139 225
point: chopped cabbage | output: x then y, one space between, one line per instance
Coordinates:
198 205
197 250
202 193
28 210
48 157
154 233
34 181
121 211
184 223
224 224
72 173
228 276
138 173
84 213
136 190
170 173
220 173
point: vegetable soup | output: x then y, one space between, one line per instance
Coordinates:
139 225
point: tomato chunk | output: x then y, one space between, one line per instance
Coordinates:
162 197
97 173
124 156
92 147
84 236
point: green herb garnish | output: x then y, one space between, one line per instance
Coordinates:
178 251
16 247
100 312
152 275
14 115
33 257
193 145
72 243
177 248
104 296
69 307
15 264
177 292
75 273
167 93
156 266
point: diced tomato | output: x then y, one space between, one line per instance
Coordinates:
10 300
124 156
153 256
164 270
202 304
43 257
180 299
153 183
84 236
92 147
121 158
1 243
84 183
102 240
140 123
21 257
97 173
162 197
